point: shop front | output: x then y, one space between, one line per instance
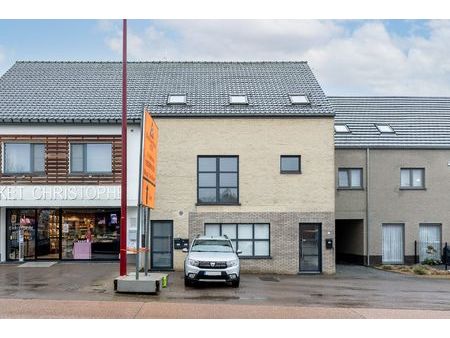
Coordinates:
67 234
60 223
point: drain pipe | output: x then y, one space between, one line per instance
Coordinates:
367 204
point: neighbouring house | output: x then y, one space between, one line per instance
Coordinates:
392 178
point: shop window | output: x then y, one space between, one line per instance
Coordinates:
412 178
24 158
90 158
217 181
350 178
90 234
253 239
290 164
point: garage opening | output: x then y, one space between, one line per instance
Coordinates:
350 241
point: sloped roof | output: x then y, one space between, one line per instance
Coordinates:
418 122
91 91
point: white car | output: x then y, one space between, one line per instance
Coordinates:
212 259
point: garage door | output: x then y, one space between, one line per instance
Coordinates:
429 241
393 243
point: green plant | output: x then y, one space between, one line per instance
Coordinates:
431 261
386 267
420 270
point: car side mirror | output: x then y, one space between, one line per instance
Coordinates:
185 250
238 252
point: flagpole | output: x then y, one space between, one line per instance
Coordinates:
123 191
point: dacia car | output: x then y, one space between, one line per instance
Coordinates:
211 259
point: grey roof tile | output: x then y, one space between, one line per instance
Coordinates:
418 122
92 90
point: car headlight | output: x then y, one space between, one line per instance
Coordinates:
192 262
232 263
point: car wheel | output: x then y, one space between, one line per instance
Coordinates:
235 283
187 281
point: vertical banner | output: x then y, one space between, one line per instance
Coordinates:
149 160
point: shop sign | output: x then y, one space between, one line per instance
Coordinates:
59 193
149 160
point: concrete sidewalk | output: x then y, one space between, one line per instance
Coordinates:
39 308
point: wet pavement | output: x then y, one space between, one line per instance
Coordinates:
351 287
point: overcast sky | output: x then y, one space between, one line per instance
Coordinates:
362 57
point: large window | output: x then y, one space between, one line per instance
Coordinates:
412 178
90 158
253 239
350 178
290 164
22 158
218 181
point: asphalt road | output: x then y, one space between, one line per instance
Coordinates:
352 287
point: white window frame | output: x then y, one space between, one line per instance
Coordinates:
238 96
345 129
380 128
294 102
173 96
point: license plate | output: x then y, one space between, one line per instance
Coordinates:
213 273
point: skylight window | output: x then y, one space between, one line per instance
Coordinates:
298 99
238 99
341 128
176 99
384 128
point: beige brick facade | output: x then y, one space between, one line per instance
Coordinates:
264 194
284 237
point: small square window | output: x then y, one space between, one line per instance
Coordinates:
341 128
350 178
176 99
290 164
384 128
298 99
412 178
238 99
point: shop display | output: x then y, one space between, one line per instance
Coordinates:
78 234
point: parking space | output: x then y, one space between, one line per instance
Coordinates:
351 286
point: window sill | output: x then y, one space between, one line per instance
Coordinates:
343 188
37 174
412 188
220 204
290 172
255 257
90 174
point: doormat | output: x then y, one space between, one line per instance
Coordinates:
37 265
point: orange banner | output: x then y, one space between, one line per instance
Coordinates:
149 160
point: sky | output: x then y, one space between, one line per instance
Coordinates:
348 57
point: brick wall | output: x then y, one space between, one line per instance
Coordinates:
284 237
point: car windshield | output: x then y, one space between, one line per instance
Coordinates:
211 245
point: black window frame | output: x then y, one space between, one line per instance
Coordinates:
84 171
299 171
32 171
349 178
217 186
411 186
253 239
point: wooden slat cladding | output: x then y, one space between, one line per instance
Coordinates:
57 160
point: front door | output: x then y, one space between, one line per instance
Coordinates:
161 245
47 235
393 240
310 247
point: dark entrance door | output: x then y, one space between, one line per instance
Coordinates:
310 247
161 245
